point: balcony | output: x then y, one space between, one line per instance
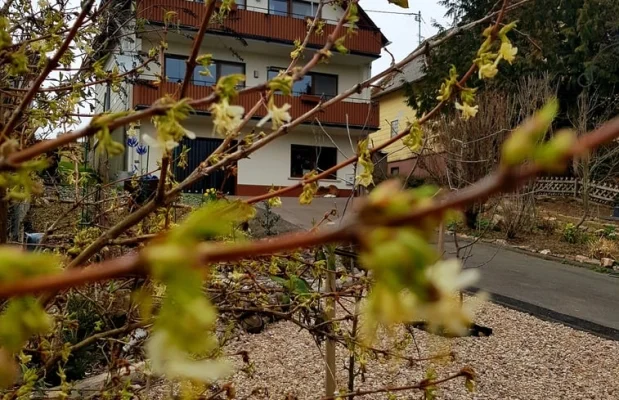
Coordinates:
259 25
360 113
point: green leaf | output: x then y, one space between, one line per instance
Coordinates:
214 219
295 285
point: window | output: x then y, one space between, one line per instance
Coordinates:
312 83
294 8
278 7
227 68
302 9
307 158
395 171
324 85
240 4
175 67
395 127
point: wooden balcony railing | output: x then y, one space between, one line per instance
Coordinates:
257 25
360 113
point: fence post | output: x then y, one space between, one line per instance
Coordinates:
575 187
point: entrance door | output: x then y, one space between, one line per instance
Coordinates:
199 150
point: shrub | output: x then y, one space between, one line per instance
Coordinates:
269 219
547 225
210 194
603 248
452 225
570 233
610 232
518 212
483 224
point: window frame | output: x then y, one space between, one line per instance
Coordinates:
217 5
289 13
337 82
394 171
394 130
216 62
317 151
311 75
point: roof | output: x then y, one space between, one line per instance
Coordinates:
411 72
366 21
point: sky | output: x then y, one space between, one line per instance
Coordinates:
402 30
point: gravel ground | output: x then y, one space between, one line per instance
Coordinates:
526 358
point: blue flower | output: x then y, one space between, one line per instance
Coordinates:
141 149
132 141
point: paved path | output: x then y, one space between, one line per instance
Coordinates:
305 216
560 288
576 296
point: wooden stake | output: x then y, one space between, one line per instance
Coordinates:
441 239
330 383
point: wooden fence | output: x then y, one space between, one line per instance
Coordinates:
599 192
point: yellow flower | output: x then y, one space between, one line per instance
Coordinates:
226 118
447 279
468 111
167 359
275 202
132 132
415 136
448 276
277 115
488 71
508 52
152 142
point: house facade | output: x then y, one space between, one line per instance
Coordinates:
395 114
255 40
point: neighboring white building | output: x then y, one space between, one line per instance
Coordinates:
256 40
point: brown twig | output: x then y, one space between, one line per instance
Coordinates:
191 61
208 253
27 99
97 336
417 386
97 82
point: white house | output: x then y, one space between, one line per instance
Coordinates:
256 40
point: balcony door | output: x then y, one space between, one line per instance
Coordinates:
200 150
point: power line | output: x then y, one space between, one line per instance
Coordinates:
390 12
417 16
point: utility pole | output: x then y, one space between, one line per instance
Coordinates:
417 16
418 19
